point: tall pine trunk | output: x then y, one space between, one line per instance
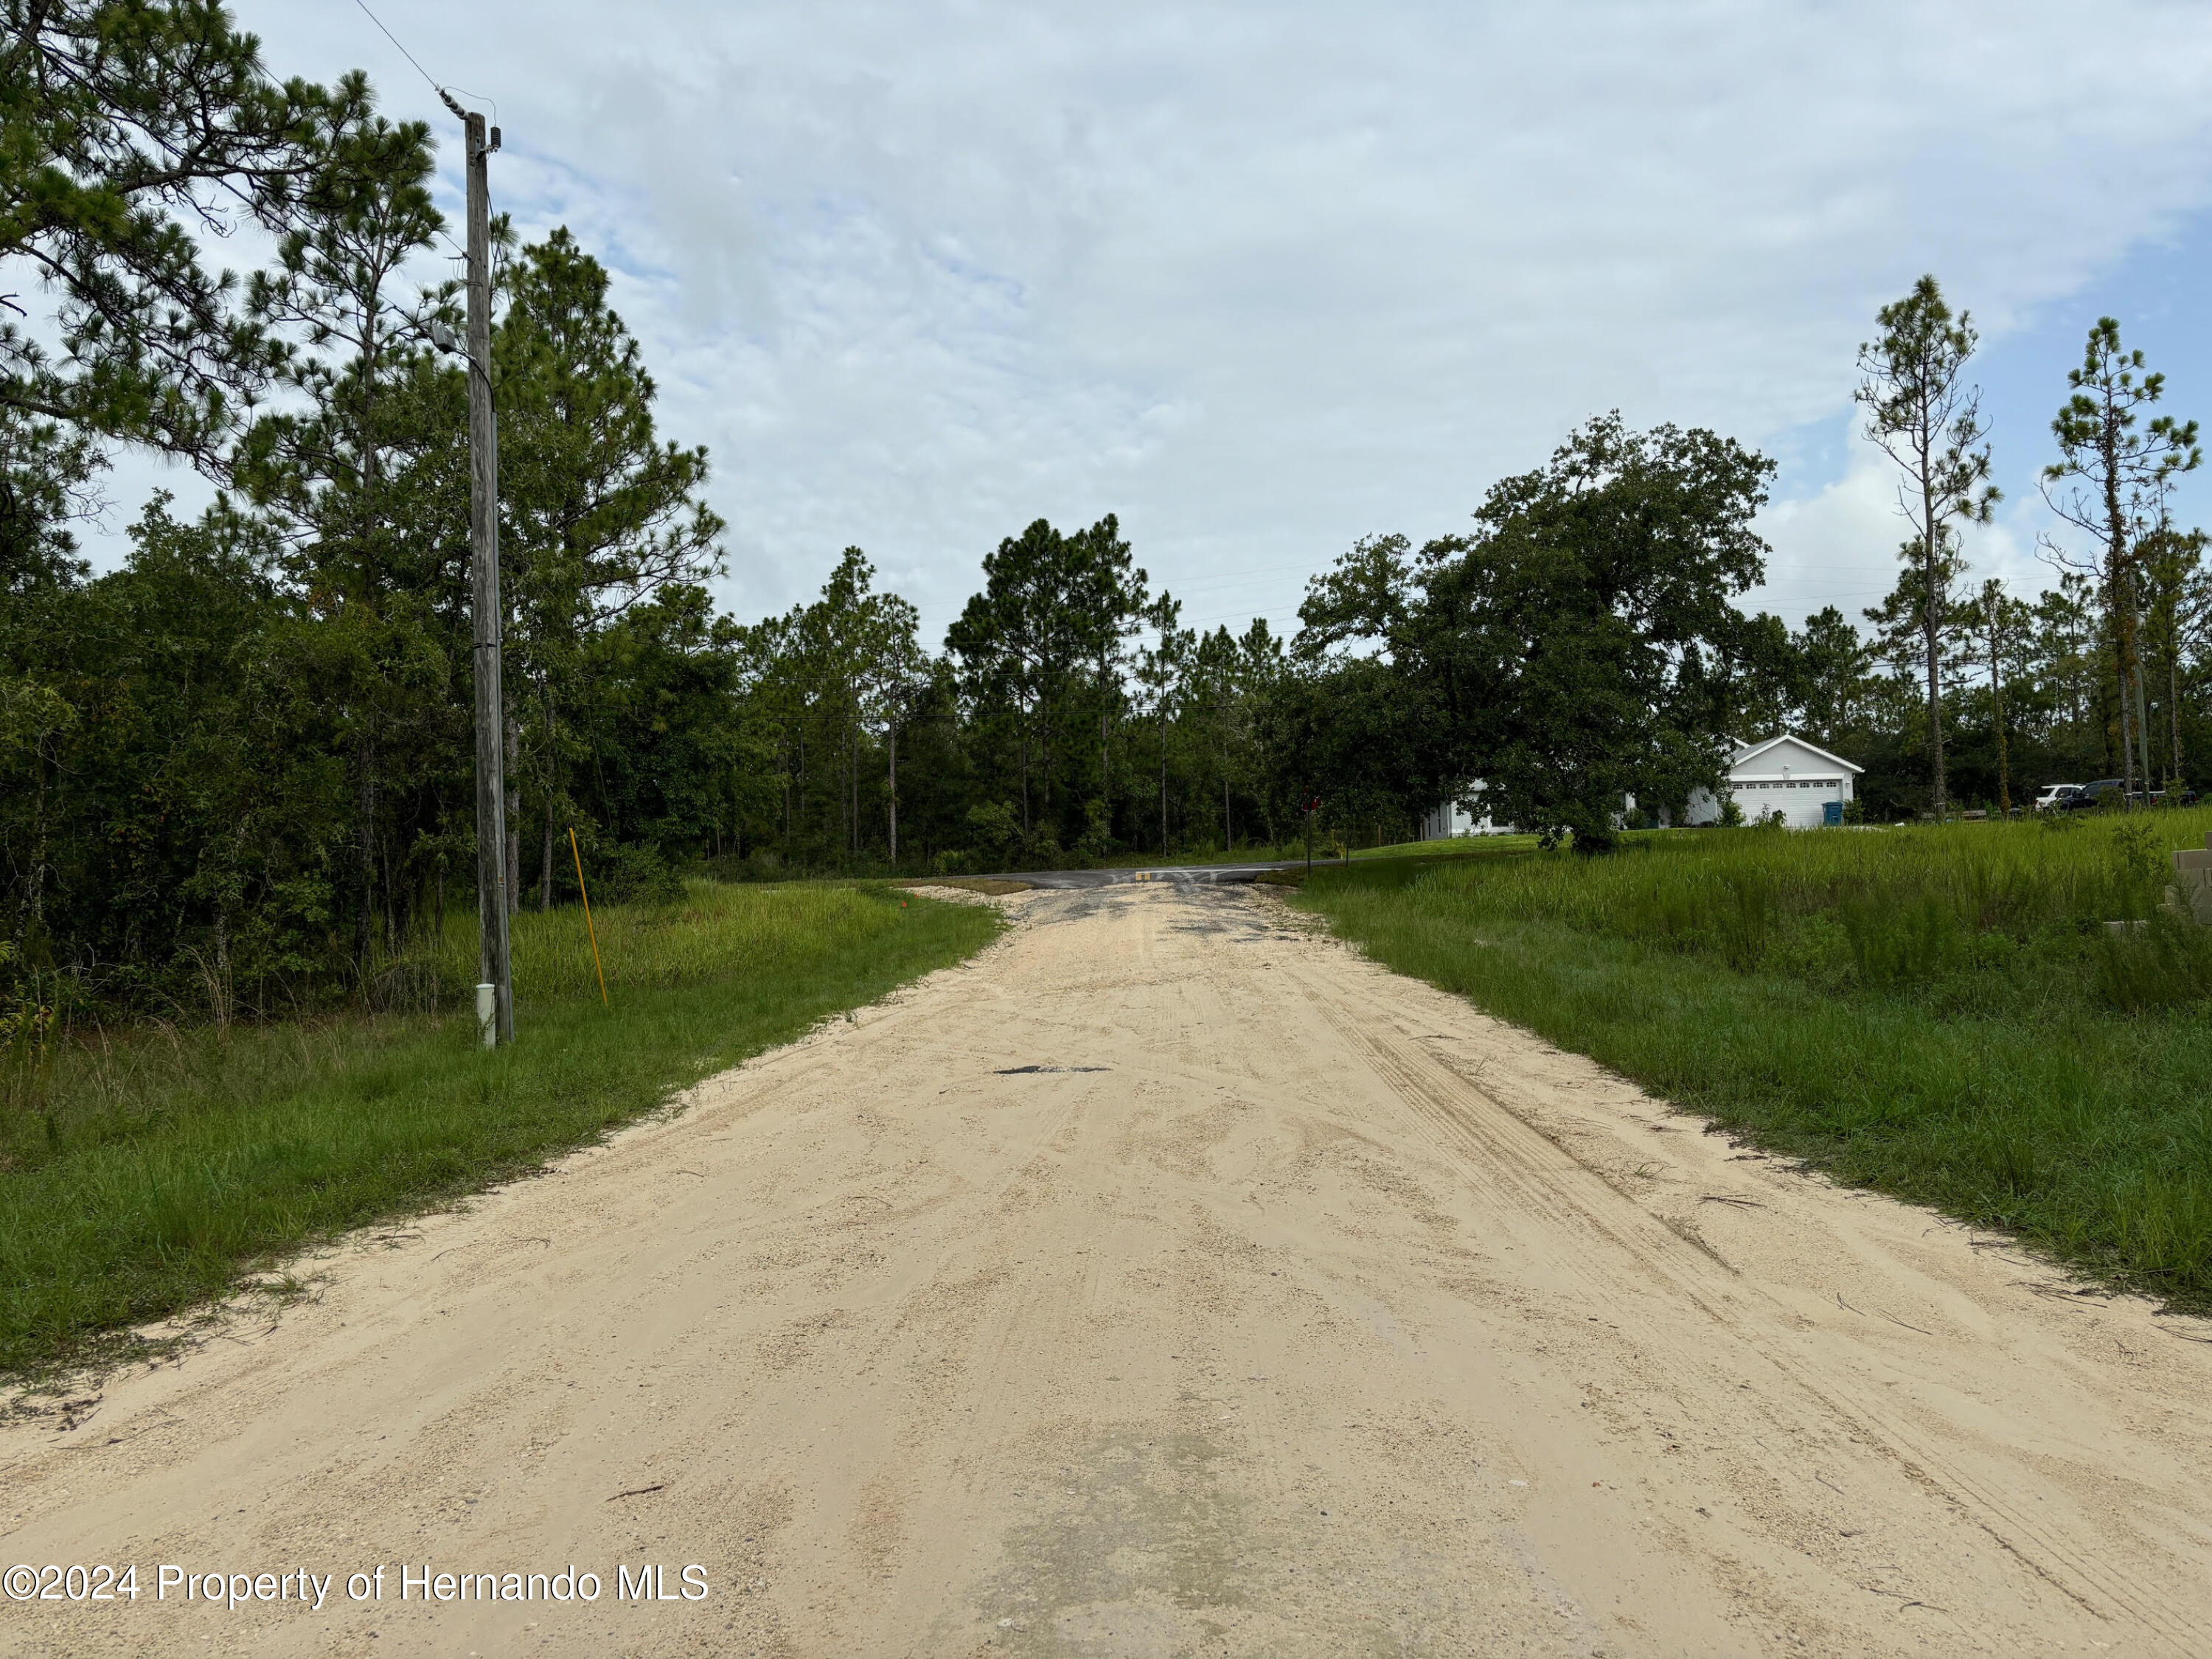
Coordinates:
1996 709
364 760
513 737
2173 709
1105 747
552 767
2119 601
1931 547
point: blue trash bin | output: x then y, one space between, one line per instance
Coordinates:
1832 812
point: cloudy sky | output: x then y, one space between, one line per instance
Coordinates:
1264 277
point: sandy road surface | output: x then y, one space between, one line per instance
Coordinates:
1289 1308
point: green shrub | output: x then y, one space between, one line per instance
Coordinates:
636 874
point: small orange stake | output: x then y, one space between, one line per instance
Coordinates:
588 928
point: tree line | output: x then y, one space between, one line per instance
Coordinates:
1070 715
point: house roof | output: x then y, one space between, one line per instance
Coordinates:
1756 750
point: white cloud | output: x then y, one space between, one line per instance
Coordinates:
1266 277
1835 547
1839 544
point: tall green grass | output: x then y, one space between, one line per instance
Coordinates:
1688 886
717 930
141 1173
1939 1013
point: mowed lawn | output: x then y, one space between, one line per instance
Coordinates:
147 1174
1940 1012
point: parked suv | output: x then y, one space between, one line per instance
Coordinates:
2054 797
2106 792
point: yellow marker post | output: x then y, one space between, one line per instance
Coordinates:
592 931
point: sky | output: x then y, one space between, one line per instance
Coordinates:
1264 278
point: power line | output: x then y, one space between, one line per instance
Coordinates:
394 38
459 252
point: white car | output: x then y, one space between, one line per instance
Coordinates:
2056 794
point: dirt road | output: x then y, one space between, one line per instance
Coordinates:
1167 1281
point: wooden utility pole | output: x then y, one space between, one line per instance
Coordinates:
493 960
1991 615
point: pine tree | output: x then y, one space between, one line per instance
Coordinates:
350 322
2111 480
128 126
2173 611
1924 417
597 514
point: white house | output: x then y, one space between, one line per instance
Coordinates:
1784 775
1453 819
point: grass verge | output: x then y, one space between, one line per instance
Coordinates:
148 1174
1939 1014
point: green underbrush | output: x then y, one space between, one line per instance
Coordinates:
1938 1013
144 1171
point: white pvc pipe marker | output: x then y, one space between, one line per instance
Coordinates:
488 1014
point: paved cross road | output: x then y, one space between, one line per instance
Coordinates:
1203 875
